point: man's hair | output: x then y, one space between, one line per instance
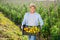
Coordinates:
32 5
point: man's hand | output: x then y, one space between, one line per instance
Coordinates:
21 27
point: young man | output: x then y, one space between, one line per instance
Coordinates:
32 19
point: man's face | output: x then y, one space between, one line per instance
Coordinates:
32 9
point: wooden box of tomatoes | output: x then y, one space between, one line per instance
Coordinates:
30 30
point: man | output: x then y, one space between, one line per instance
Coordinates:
32 19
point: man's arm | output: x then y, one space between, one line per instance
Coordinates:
40 21
24 21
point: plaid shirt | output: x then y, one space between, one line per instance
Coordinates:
32 19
